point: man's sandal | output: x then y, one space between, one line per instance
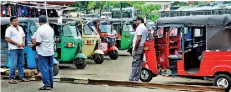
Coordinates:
24 80
45 88
12 82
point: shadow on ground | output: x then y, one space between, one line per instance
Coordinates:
192 83
71 67
125 55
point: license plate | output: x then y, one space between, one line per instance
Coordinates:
103 46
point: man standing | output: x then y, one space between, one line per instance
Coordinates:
15 37
140 37
45 50
33 40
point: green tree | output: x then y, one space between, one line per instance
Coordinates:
148 11
114 4
145 10
96 5
227 2
177 3
106 5
137 4
153 17
92 6
81 6
196 3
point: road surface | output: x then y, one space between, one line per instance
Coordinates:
67 87
110 70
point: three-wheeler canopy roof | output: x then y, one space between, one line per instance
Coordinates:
218 20
6 20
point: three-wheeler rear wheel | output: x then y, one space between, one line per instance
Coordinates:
80 63
223 80
146 75
113 54
98 58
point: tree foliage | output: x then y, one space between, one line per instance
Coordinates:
151 11
81 6
227 2
199 3
145 10
177 3
114 4
96 4
91 5
149 8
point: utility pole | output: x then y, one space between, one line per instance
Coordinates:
121 16
46 9
100 11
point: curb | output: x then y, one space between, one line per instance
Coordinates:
139 84
87 81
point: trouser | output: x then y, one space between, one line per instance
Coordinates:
37 63
16 57
137 64
46 69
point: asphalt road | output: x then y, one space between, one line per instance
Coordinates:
118 70
110 70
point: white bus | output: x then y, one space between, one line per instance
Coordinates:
129 12
106 15
204 10
91 16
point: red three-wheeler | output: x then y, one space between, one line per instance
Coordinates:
108 38
205 52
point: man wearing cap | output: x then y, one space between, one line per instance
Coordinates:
45 50
15 37
140 37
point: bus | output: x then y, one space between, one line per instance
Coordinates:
204 10
106 15
91 16
129 12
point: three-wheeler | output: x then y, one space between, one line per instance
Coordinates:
29 27
205 54
91 40
108 38
68 43
125 33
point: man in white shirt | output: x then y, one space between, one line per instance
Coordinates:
45 50
139 39
15 37
33 40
